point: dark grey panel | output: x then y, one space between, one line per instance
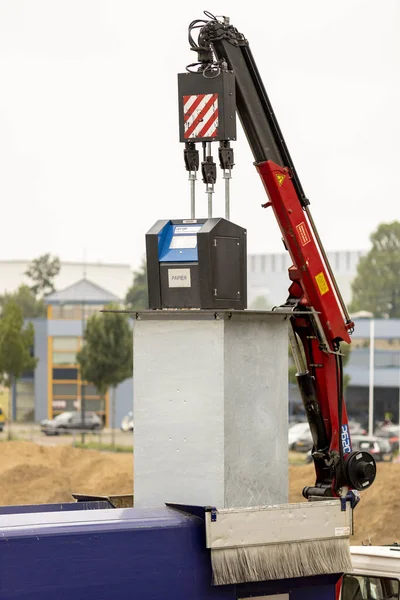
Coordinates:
224 85
226 276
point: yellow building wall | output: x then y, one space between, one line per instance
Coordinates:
4 399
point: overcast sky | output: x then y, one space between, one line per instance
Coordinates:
89 148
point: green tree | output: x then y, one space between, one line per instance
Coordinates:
16 343
106 358
376 287
42 272
31 307
137 295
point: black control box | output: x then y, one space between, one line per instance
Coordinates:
207 107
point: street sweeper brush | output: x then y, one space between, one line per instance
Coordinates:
279 542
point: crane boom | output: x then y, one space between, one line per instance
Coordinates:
320 321
280 178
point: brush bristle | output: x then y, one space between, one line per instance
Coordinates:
280 561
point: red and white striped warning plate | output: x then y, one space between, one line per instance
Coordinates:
200 114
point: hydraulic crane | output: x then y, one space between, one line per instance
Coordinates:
320 322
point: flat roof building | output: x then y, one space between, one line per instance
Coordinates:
56 384
267 274
115 277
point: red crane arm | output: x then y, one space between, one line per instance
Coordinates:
309 269
313 289
319 318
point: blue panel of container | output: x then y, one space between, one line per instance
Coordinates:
159 556
154 554
179 243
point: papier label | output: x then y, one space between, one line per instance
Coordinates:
179 278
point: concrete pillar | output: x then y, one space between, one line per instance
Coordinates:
211 406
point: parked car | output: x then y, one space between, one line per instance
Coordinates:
2 419
299 437
356 428
379 447
390 433
303 441
127 422
69 421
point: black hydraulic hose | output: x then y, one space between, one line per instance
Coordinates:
305 382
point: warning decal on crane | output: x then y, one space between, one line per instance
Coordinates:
321 283
280 178
303 233
200 113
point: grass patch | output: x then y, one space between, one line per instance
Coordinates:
297 458
13 438
103 447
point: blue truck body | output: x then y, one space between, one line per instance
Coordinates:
90 551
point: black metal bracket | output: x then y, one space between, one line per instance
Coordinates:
209 170
225 155
191 157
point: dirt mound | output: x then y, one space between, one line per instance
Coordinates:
32 474
376 518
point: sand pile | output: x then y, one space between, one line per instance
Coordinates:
33 474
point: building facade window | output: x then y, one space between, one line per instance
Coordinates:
64 358
75 311
89 390
60 405
65 343
95 405
63 374
26 401
65 389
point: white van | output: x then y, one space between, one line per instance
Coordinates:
376 574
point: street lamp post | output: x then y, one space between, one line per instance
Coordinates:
82 384
399 400
371 376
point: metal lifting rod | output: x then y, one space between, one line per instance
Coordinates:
225 153
191 157
209 172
